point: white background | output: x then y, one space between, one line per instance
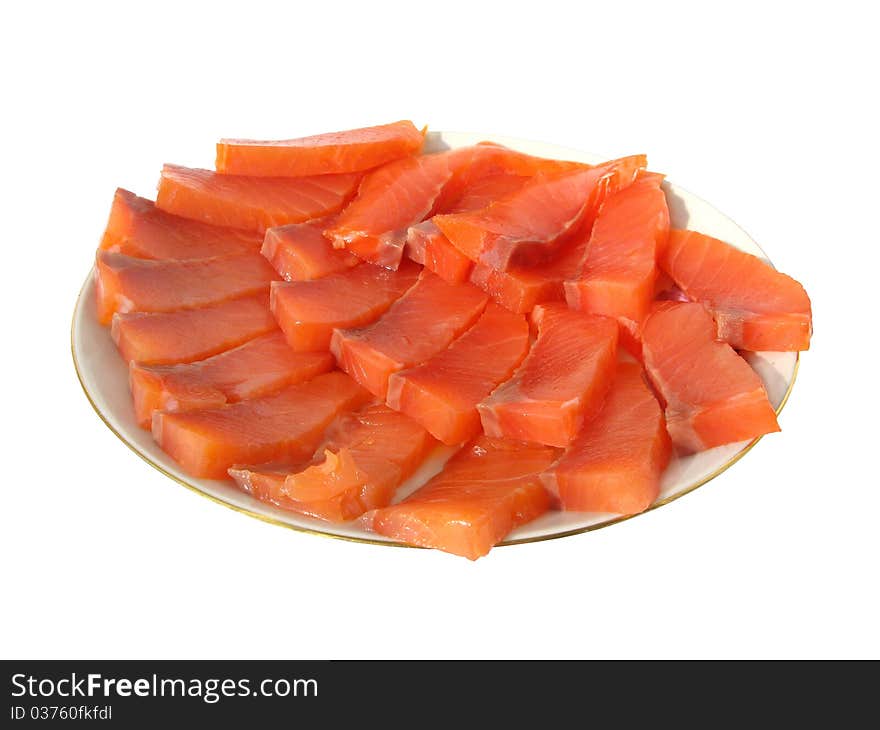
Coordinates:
768 111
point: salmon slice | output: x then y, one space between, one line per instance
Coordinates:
285 426
513 162
390 200
494 173
491 160
167 338
126 284
423 322
490 172
299 252
425 242
350 151
562 381
251 203
619 274
616 461
366 456
257 368
138 228
486 490
755 307
485 186
521 287
530 225
309 311
443 393
403 193
712 396
264 482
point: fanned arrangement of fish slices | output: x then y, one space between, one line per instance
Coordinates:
318 316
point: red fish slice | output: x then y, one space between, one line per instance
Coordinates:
309 311
530 225
619 275
419 325
126 284
755 306
486 490
138 228
252 203
257 368
443 393
299 251
285 426
334 152
522 287
390 200
712 395
366 456
426 243
166 338
615 462
563 379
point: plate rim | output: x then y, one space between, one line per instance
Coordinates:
393 543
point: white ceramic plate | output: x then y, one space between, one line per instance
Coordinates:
104 379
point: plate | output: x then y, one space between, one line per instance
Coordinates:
104 378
